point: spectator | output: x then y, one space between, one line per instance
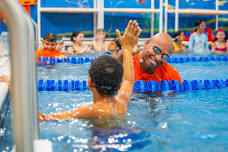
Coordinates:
178 46
78 48
198 41
49 48
100 45
59 47
114 47
220 46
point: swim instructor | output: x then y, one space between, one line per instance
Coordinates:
152 64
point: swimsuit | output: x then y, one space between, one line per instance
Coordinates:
220 49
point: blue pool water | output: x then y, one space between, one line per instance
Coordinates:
159 121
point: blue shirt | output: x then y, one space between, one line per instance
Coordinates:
198 43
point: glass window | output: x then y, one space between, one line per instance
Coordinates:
63 24
113 21
67 3
127 4
197 4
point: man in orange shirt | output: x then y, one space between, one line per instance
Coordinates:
49 48
151 63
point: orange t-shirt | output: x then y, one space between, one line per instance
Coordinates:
48 53
163 72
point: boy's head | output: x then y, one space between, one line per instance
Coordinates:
200 25
114 45
179 35
100 34
59 45
105 74
49 41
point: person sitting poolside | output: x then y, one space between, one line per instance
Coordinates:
151 64
49 48
106 77
78 48
178 46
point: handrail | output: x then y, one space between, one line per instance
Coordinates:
36 35
23 88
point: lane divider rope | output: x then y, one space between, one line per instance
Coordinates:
139 86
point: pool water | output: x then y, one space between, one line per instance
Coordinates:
159 121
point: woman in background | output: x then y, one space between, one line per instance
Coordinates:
220 46
178 46
78 48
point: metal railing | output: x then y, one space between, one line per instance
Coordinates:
23 87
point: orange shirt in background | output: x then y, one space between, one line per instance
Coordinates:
48 53
163 72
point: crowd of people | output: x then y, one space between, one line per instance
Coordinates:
199 38
198 43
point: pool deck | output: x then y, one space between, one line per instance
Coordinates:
4 70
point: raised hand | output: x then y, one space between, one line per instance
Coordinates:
131 35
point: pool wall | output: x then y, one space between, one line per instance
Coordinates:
4 70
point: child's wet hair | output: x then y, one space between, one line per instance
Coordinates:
50 37
75 34
106 75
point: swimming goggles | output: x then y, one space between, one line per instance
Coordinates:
158 51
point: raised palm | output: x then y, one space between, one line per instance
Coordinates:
131 35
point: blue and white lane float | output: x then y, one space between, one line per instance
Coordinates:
139 86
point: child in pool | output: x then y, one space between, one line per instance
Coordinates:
220 46
198 40
178 46
78 48
100 45
59 47
107 76
49 48
114 47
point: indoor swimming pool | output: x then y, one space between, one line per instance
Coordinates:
193 120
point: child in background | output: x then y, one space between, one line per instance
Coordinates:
59 47
114 47
100 45
198 41
178 46
78 48
49 48
220 46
